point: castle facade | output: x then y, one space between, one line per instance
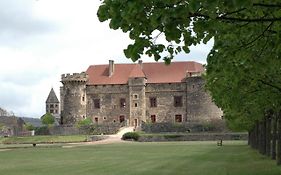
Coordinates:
135 93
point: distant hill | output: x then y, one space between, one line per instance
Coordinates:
34 121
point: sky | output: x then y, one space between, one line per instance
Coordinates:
42 39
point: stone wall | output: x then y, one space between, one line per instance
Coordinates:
87 130
10 126
197 105
193 137
110 109
73 97
164 93
213 125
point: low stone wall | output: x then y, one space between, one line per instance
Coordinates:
98 137
193 137
87 130
207 126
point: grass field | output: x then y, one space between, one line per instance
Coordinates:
188 158
43 139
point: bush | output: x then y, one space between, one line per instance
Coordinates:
131 136
29 127
85 122
44 130
48 119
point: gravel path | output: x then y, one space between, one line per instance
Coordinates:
116 138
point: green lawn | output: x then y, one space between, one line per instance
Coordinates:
43 139
187 158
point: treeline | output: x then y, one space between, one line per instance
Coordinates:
244 78
265 136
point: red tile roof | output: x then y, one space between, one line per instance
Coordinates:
154 72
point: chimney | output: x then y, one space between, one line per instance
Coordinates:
111 68
140 63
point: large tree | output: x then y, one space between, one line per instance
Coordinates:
48 119
244 65
190 22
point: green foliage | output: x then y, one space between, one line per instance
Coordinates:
44 139
243 70
43 130
85 122
29 127
48 119
131 136
2 126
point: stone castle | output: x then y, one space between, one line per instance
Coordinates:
135 93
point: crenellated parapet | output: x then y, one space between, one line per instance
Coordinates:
75 77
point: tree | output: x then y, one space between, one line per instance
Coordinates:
48 119
190 22
85 122
29 127
243 67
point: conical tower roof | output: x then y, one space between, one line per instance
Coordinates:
52 98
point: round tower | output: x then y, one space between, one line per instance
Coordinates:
73 98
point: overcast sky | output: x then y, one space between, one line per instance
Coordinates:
42 39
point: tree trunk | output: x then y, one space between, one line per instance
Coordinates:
250 137
268 135
257 136
262 147
278 156
274 137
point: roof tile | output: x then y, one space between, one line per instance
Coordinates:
153 72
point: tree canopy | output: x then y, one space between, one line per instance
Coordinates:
243 67
48 119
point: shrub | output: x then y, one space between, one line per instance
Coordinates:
85 122
47 119
131 136
29 127
44 130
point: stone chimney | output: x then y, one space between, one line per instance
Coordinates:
140 63
111 68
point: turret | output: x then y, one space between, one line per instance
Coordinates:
73 97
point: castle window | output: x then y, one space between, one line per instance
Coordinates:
51 105
104 118
56 105
121 118
136 104
178 118
122 102
96 119
56 111
51 111
136 96
178 101
153 118
153 102
83 98
97 103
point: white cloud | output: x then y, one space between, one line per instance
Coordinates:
42 39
